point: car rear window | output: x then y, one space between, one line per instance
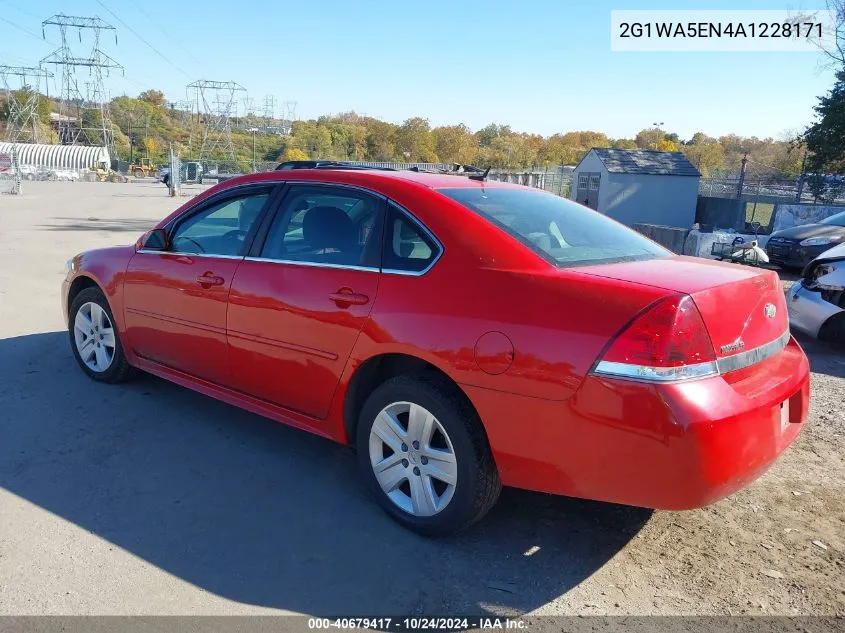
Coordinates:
565 233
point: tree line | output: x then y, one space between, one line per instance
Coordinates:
151 125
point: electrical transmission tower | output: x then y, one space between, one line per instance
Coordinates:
83 109
217 104
288 115
269 113
23 124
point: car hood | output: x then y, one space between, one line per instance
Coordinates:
837 252
810 230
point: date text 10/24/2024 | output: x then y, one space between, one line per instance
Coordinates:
419 623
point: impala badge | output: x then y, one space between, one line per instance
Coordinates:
732 347
770 310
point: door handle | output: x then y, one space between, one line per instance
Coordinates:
206 280
345 297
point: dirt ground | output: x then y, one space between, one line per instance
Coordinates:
151 499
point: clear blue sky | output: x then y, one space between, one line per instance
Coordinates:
542 66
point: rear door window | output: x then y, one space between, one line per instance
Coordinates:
326 225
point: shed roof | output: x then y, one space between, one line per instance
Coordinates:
645 161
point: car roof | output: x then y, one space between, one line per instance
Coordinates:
374 177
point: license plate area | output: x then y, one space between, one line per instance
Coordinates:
784 415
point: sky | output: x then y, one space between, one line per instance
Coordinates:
542 66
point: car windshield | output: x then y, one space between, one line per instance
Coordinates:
836 220
565 233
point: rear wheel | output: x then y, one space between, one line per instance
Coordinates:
833 330
95 340
424 456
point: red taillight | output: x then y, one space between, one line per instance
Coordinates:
667 342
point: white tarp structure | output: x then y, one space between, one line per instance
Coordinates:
58 156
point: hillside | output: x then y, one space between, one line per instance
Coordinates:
153 124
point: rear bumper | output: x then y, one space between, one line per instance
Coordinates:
673 447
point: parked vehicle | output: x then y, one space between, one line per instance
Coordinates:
190 172
797 246
463 334
817 301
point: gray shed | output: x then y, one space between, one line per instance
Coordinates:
638 186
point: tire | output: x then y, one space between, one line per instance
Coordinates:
117 369
833 330
457 430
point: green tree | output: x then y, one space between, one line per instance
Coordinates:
624 143
455 144
153 97
415 142
825 139
292 153
705 153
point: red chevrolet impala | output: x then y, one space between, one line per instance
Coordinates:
461 333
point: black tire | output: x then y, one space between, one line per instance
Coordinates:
478 485
833 330
119 370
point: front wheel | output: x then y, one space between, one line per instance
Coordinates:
95 340
424 456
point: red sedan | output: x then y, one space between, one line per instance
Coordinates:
462 334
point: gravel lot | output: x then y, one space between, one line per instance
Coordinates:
147 498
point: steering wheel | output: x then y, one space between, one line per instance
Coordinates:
190 239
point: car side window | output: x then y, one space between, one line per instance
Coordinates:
326 225
219 229
407 246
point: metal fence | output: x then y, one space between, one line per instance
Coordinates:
767 191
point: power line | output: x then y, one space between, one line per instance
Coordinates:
25 30
170 38
153 48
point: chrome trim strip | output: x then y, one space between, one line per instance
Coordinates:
752 356
697 371
656 374
152 252
367 269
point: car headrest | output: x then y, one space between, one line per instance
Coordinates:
328 227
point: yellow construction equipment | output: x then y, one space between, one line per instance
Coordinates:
143 168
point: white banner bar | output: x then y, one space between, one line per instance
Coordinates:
727 31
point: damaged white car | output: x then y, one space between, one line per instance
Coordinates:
817 301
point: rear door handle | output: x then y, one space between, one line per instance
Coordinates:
345 297
206 280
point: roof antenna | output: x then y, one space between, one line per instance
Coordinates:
482 176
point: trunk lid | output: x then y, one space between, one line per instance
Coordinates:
742 307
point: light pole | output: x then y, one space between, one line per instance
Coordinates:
658 125
253 130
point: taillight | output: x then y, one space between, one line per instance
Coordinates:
667 342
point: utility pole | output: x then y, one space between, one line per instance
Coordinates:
253 130
742 175
801 178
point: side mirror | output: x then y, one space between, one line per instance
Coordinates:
156 240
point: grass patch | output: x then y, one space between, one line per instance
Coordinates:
762 214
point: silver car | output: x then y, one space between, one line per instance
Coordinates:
817 301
